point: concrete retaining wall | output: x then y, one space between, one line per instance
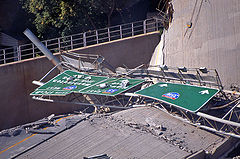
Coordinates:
132 51
17 107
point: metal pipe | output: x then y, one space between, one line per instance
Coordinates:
48 73
214 130
43 48
236 105
38 83
218 119
198 125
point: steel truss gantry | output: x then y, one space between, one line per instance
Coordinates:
220 115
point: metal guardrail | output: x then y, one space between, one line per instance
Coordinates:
79 40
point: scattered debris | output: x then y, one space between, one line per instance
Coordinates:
6 134
11 132
235 87
157 130
50 118
17 132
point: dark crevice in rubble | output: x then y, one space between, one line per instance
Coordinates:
235 152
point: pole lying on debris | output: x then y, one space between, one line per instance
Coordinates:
43 49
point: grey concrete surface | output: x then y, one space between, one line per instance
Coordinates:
17 107
132 133
212 41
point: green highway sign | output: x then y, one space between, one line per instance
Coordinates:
71 81
187 97
113 86
67 82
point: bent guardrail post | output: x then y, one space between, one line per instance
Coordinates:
43 49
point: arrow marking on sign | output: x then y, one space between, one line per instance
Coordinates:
163 85
204 92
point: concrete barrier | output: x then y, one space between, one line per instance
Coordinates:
17 107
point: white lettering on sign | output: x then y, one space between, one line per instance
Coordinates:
59 81
78 76
88 78
163 85
59 92
204 92
65 77
88 81
44 92
50 92
93 91
71 83
54 88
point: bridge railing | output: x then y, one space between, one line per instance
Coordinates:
79 40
